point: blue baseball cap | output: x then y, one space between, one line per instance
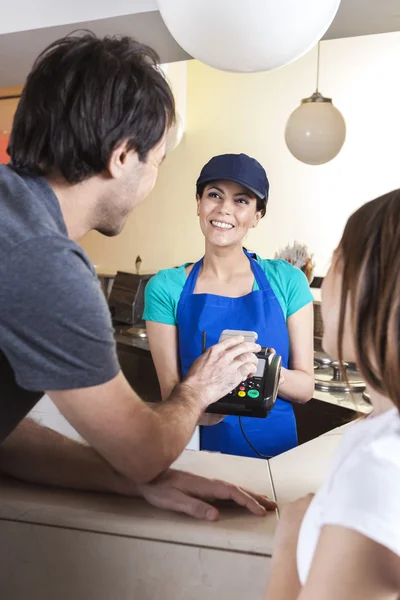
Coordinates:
239 168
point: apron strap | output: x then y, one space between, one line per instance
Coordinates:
259 274
191 280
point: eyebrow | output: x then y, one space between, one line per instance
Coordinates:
215 187
248 194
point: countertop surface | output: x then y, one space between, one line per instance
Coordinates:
131 341
288 476
353 402
303 469
316 292
236 530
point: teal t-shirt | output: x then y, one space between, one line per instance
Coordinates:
163 291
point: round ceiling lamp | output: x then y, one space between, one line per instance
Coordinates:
316 130
247 36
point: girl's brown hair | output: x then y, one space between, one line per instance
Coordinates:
369 257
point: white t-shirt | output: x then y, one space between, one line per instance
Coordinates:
362 491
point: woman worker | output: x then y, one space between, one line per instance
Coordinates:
230 288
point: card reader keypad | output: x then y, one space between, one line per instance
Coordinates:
250 388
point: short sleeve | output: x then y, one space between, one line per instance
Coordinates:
159 305
298 292
365 498
289 284
55 325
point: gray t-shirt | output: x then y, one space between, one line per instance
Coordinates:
55 326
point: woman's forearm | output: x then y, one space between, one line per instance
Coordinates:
298 386
283 581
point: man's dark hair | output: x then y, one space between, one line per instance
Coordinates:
84 97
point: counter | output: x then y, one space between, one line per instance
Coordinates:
131 341
316 292
64 545
137 365
353 402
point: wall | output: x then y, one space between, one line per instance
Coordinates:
247 113
7 110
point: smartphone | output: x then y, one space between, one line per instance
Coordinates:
249 336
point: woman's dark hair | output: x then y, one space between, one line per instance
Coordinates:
368 257
84 97
261 204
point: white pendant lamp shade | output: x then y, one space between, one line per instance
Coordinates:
247 35
315 131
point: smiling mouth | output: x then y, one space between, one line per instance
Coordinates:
222 225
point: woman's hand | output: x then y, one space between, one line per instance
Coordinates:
211 419
291 517
283 583
282 377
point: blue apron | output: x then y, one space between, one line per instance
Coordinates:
258 311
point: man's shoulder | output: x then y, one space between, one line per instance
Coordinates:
49 272
29 210
46 251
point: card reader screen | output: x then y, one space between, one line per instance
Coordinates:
260 367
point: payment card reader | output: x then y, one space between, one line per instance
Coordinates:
254 397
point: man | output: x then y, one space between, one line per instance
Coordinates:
87 141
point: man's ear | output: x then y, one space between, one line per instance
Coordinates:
118 160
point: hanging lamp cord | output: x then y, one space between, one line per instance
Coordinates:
318 56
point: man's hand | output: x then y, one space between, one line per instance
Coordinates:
221 368
191 494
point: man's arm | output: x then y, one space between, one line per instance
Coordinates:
138 439
163 341
141 441
39 455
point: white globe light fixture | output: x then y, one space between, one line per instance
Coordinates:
247 36
316 130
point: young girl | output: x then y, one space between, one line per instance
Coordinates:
344 543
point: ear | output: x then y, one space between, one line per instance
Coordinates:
118 160
256 219
198 200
